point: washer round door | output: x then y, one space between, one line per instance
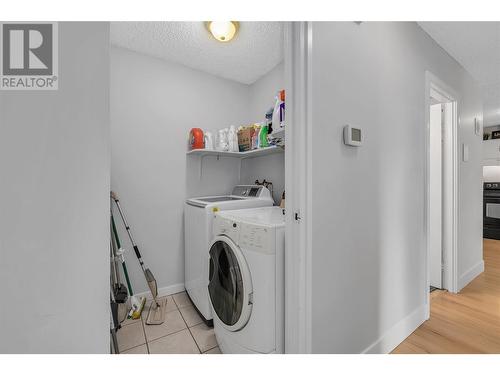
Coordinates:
230 284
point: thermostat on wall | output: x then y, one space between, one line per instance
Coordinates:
352 136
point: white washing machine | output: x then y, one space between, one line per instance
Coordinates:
246 284
198 217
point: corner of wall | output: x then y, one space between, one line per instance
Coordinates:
394 336
470 275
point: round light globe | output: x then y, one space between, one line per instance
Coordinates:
223 31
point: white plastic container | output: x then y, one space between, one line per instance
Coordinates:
232 137
222 141
209 141
276 113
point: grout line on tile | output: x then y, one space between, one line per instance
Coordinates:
178 309
211 347
196 325
206 351
189 329
132 347
175 303
145 337
165 335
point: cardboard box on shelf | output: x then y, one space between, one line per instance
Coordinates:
245 138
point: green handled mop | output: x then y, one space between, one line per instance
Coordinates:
156 313
137 304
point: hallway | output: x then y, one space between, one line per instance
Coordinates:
468 322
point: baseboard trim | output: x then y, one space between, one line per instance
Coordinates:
164 291
470 274
397 333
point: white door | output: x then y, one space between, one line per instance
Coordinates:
436 194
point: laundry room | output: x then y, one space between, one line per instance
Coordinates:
197 130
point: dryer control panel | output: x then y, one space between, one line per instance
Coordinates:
251 191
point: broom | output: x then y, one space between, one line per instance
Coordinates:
156 313
137 304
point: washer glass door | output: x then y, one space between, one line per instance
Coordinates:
227 289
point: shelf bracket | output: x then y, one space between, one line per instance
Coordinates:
200 168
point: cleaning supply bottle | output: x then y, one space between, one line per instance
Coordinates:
235 141
263 136
209 141
282 108
222 144
196 139
269 120
256 137
277 111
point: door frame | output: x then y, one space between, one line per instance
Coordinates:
450 255
298 187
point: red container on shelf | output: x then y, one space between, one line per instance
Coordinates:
196 139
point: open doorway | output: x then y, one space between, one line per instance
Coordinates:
442 185
197 133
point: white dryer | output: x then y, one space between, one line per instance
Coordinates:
246 284
198 217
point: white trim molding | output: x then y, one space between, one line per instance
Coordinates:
398 332
164 291
298 159
470 274
450 279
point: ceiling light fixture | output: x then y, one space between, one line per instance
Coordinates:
223 31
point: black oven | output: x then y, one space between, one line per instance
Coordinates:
491 210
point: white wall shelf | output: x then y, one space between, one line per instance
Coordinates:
242 155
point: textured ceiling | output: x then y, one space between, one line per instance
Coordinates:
256 49
476 46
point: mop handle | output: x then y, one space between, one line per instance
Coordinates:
136 249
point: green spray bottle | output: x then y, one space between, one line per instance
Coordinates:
263 135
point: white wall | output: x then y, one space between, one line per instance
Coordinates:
263 92
368 261
272 168
54 241
154 104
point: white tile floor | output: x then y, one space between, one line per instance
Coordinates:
183 331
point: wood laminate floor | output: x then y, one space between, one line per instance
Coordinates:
467 322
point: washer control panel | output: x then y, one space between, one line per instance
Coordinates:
256 238
226 227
